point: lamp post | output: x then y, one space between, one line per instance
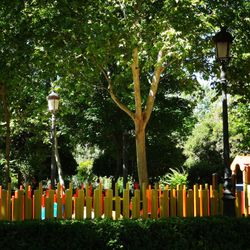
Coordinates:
223 41
53 104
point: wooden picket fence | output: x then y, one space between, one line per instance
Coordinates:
86 203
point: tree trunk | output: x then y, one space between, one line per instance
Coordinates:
141 152
140 116
58 164
124 159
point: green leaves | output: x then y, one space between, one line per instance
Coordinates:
71 40
175 177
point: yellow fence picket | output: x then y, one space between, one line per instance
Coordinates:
144 202
108 203
196 201
21 212
125 204
79 201
97 213
154 206
107 207
17 205
136 205
28 203
59 202
37 200
101 199
238 204
117 207
4 207
14 208
149 198
179 200
200 200
116 189
205 201
49 205
68 204
212 201
9 202
190 203
214 198
184 200
164 204
89 201
133 210
173 203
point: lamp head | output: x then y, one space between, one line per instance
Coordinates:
53 101
223 41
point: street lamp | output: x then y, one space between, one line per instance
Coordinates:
53 104
223 41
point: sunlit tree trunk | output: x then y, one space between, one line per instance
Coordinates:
141 115
58 164
141 158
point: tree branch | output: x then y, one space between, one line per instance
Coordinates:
153 89
113 96
120 104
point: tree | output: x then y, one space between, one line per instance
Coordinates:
15 51
24 85
154 42
80 41
134 45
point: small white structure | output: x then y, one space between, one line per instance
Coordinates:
241 167
242 163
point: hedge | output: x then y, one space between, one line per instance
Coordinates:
174 233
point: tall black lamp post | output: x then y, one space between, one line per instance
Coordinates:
223 41
53 104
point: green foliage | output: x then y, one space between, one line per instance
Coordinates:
239 126
84 173
170 124
204 148
71 40
85 156
174 177
174 233
75 41
204 145
85 166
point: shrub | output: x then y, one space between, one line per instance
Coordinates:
173 233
